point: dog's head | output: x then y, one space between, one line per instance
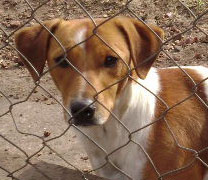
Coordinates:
87 80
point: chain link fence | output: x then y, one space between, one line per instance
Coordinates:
50 144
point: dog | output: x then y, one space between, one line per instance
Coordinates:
141 122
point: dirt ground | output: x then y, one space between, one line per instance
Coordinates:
41 115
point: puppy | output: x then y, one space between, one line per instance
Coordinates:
137 122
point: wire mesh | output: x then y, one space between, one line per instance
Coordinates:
44 141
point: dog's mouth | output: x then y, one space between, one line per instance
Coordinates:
96 120
84 122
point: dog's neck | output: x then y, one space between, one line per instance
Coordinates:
136 105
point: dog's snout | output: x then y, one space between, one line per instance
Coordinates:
83 111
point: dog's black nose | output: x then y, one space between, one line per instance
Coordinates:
83 111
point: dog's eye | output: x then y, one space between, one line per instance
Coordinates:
110 61
62 62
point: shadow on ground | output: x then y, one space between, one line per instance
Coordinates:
54 172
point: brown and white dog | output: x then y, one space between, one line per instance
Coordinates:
132 104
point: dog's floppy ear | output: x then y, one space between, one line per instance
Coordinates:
32 42
143 43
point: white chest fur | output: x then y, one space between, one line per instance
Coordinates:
139 112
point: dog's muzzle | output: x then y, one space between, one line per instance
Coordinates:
83 112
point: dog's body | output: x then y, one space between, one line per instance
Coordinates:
148 133
155 139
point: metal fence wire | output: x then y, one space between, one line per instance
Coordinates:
44 141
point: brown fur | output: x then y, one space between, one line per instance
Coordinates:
133 42
188 122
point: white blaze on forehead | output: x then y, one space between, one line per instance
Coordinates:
83 86
80 36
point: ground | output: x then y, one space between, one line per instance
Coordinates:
41 115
